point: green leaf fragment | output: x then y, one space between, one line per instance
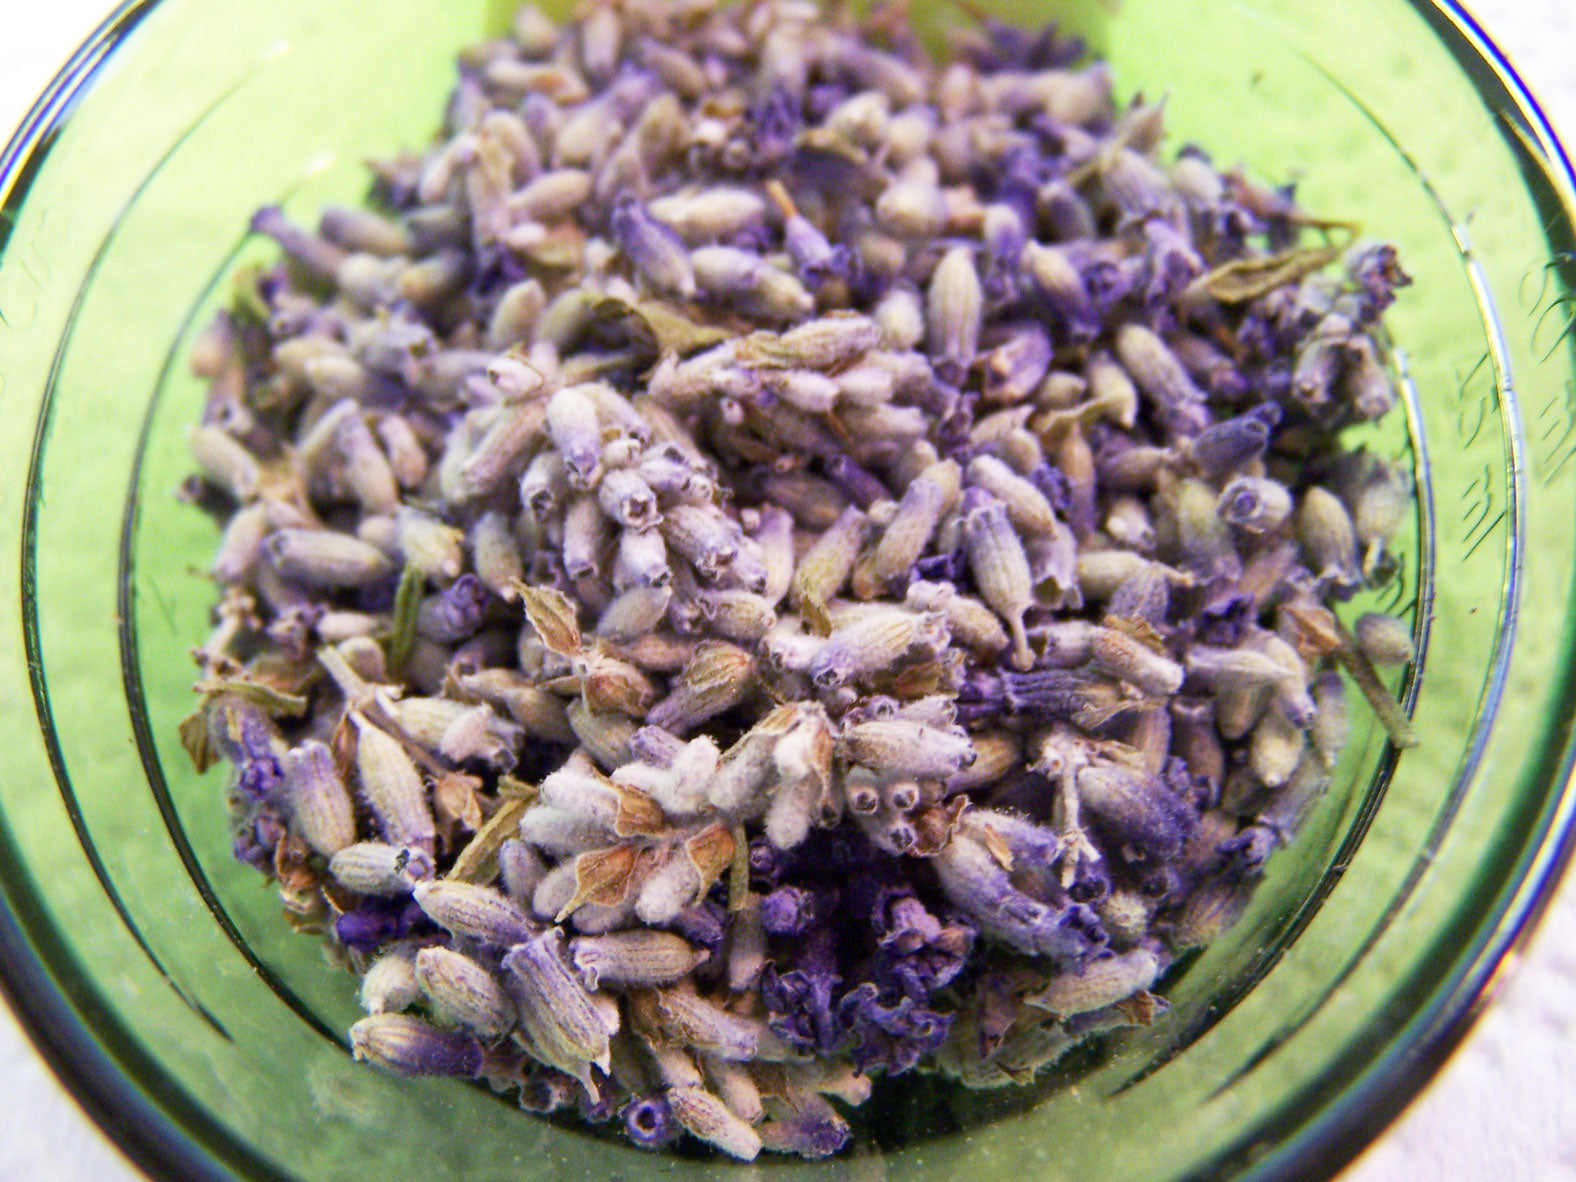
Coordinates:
195 740
739 870
407 603
1242 280
478 861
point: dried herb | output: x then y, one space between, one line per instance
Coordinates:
768 560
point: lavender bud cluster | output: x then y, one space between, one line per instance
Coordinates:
763 560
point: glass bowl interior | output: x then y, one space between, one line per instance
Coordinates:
157 970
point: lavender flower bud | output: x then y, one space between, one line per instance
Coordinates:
1001 571
1384 639
1274 748
1329 542
900 316
390 983
870 645
1141 809
650 1122
511 432
1055 278
1177 402
1255 504
708 1118
634 613
1330 726
566 1029
900 747
719 677
685 1016
575 429
409 1046
393 788
707 539
326 558
464 992
372 868
634 958
910 531
545 486
476 912
318 805
654 250
953 306
759 289
1231 444
1103 981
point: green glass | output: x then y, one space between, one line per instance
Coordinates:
156 973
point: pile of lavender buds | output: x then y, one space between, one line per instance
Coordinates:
763 560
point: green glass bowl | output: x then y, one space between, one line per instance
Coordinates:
156 973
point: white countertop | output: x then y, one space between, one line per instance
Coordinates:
1504 1108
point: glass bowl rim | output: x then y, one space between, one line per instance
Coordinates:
151 1139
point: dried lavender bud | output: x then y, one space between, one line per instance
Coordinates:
709 1119
477 912
1001 571
1384 639
953 305
465 992
751 472
565 1027
408 1046
325 558
390 984
392 787
319 807
372 868
634 958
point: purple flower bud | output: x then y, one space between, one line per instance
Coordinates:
941 568
1104 278
705 924
1171 261
1248 851
649 1121
257 838
1231 444
792 910
1015 367
975 881
775 121
409 1046
652 248
1137 809
1377 273
1091 883
1005 237
814 257
1145 595
316 254
375 922
246 736
860 486
813 1130
456 612
1225 618
1011 47
766 862
1061 285
1049 693
893 1036
799 1005
546 1090
1054 486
